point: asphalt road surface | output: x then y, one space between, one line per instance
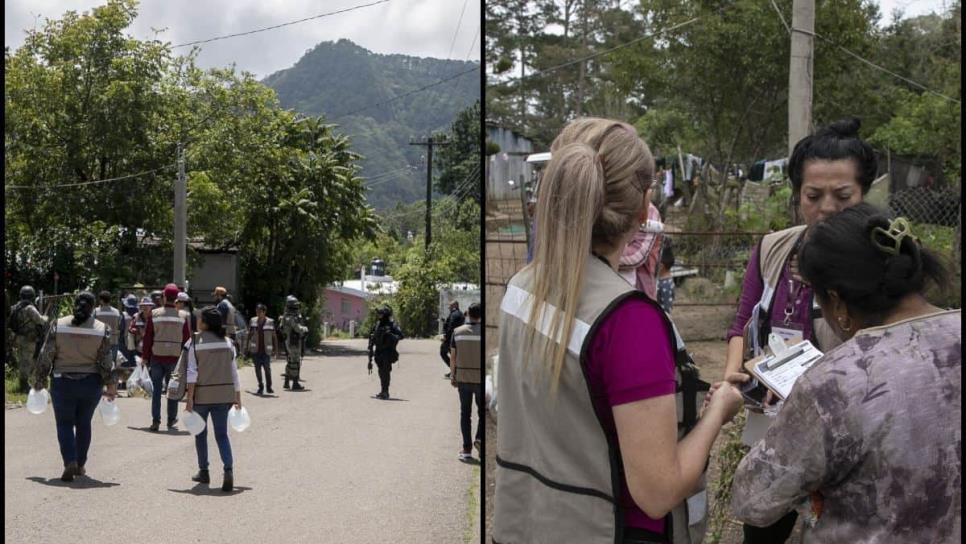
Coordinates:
330 464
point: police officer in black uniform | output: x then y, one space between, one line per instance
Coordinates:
383 337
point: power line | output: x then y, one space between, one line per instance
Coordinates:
279 26
876 66
475 36
604 52
456 33
89 182
405 94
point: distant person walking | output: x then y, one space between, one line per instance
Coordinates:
187 307
110 316
665 281
467 376
227 309
261 346
77 353
453 320
383 339
128 344
27 326
213 386
165 334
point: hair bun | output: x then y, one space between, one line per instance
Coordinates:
844 128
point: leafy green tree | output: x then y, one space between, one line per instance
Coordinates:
458 164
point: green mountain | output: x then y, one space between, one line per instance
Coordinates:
336 79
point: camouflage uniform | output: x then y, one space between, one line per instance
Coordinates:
872 435
293 330
31 326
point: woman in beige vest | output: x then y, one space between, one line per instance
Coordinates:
78 355
830 170
588 447
213 387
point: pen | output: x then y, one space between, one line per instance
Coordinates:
775 364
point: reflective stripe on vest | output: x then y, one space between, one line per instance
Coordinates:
268 327
77 345
215 384
110 317
468 356
168 332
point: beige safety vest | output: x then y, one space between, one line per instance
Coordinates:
269 335
168 331
112 318
215 384
558 478
77 345
776 249
468 355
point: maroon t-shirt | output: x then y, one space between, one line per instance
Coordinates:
630 359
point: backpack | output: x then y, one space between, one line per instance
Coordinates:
17 323
385 340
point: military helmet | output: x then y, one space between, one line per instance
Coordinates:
27 293
384 311
156 297
292 302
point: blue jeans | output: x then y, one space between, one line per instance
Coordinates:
160 373
467 392
219 419
74 404
263 360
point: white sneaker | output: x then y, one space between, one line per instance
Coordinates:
465 455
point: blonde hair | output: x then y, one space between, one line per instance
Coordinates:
590 197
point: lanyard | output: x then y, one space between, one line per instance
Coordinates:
794 288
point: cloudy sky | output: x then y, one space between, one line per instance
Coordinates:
424 28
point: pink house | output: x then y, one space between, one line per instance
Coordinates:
344 304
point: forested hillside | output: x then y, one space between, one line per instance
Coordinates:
342 81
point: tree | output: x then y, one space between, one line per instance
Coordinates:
458 164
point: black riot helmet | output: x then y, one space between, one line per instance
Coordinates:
292 303
384 312
27 293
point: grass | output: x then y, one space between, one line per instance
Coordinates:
472 506
730 455
10 393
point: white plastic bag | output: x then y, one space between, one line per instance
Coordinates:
144 380
110 412
193 422
239 419
37 401
132 382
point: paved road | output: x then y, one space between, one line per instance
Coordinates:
330 464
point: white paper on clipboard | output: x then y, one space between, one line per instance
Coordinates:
779 373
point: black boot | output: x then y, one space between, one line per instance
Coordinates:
296 386
155 426
70 470
229 482
260 389
285 385
202 477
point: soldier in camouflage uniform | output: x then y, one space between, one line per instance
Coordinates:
293 330
27 326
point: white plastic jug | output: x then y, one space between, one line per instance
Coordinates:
194 423
238 419
37 401
110 412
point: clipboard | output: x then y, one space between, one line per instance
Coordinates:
779 373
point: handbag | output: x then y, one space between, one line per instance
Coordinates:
178 384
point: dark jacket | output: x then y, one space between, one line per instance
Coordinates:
455 319
384 354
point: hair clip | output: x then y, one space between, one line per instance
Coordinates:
898 229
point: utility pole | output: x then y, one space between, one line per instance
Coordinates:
800 81
180 221
429 143
800 71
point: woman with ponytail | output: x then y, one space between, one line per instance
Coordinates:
78 353
588 435
872 431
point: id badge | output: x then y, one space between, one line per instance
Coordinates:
788 333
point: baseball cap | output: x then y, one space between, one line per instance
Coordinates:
183 297
146 301
171 291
